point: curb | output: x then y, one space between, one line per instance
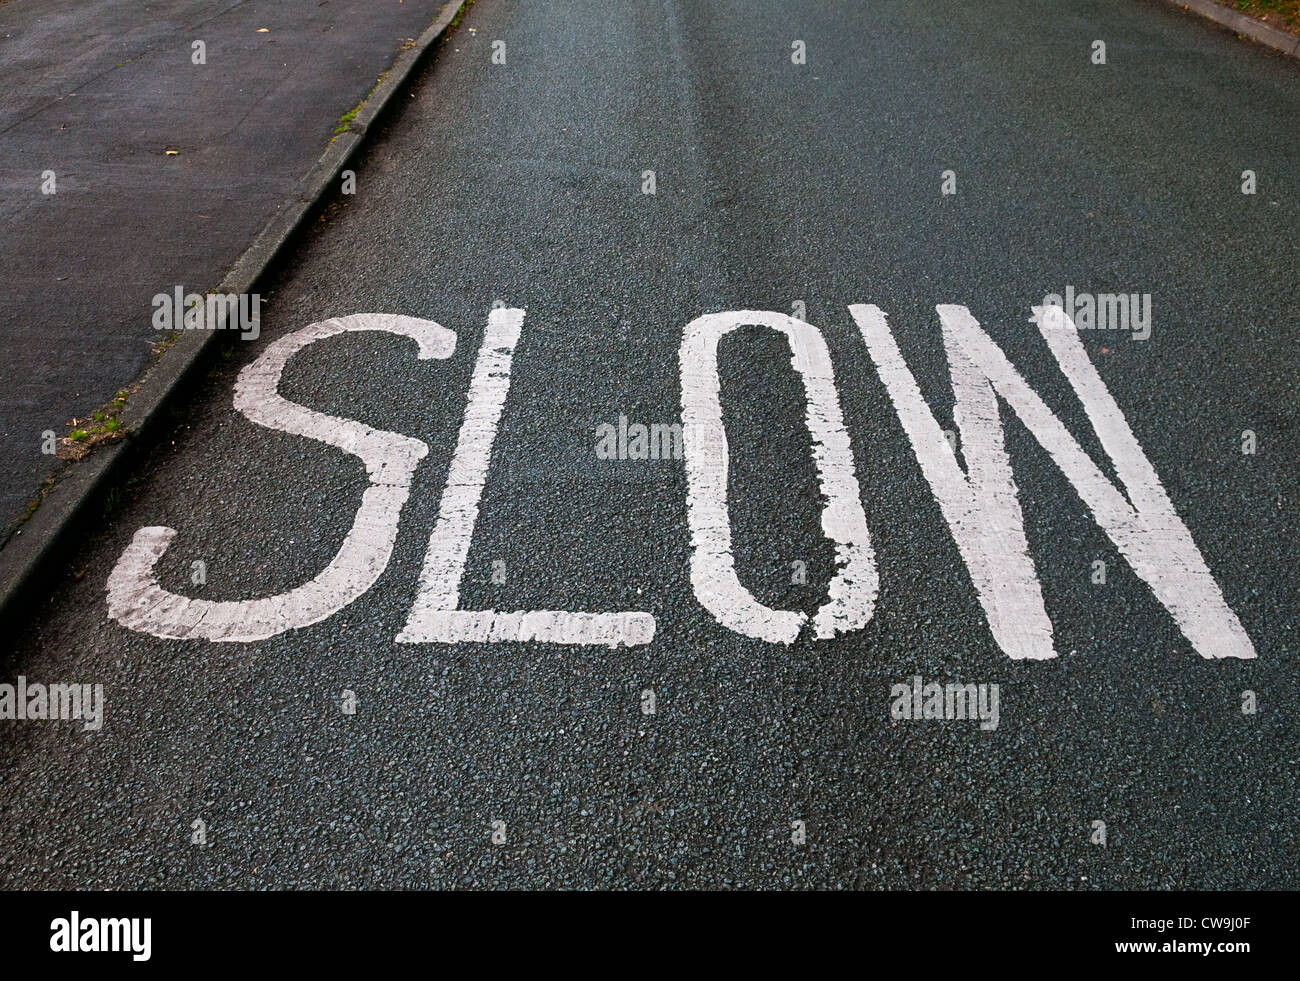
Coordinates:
27 558
1242 24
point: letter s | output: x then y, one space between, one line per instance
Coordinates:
137 601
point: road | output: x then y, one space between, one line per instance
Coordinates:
800 189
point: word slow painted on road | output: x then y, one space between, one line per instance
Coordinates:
979 503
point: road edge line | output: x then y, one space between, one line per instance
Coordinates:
27 559
1239 23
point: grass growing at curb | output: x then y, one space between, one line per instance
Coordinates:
346 119
103 425
1279 13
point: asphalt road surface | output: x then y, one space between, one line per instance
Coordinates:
799 189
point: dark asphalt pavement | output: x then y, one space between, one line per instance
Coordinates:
522 182
97 93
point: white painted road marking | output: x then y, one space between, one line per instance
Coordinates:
983 513
713 571
434 617
136 600
980 506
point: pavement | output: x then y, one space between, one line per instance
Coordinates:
763 765
98 93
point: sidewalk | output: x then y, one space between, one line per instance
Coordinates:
99 93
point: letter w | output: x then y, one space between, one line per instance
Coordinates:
981 505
